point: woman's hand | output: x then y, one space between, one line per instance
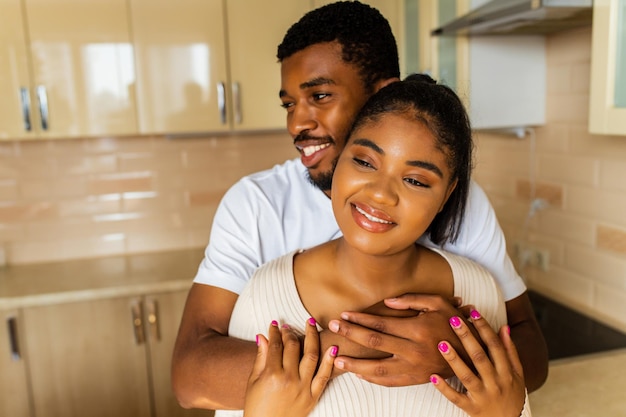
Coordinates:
497 388
282 383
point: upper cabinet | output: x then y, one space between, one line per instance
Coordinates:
210 65
70 68
607 107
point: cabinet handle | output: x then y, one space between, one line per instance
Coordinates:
140 336
221 101
25 108
152 309
42 96
237 102
13 342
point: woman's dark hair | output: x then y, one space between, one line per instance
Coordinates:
364 34
442 112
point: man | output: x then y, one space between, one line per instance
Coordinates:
332 61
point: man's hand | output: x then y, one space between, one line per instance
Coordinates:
411 340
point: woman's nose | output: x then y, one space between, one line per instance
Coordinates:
383 190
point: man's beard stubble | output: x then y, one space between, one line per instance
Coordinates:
323 180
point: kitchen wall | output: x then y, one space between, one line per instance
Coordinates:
581 176
64 199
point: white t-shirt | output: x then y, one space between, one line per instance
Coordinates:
270 213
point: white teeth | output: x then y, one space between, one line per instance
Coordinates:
372 218
310 150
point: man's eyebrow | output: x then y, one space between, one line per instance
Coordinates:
420 164
315 82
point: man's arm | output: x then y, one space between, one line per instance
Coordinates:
529 341
209 369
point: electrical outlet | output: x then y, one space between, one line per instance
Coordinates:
542 259
528 255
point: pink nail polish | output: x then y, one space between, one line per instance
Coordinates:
443 347
508 330
257 340
274 323
475 314
333 351
434 379
312 321
455 322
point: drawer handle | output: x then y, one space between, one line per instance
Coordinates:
13 340
140 336
237 102
42 96
26 108
153 320
221 101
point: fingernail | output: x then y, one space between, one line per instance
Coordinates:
392 300
333 325
274 323
312 321
257 340
333 351
434 379
443 347
285 326
339 364
475 314
508 330
455 322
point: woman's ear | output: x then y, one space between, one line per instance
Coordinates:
449 191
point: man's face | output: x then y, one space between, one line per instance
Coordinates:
322 95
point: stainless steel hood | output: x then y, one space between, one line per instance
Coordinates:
520 17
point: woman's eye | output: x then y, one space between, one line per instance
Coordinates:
362 163
415 182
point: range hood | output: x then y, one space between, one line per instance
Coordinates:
520 17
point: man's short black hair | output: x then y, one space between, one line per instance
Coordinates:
362 31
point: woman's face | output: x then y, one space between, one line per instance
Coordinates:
390 182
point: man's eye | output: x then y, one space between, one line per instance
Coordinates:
286 105
320 96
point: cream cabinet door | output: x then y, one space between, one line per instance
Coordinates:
82 67
87 359
607 107
255 28
162 314
15 110
13 383
181 65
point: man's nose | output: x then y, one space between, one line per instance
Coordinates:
301 119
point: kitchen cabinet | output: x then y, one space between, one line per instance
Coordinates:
103 357
607 107
501 79
13 383
74 73
210 65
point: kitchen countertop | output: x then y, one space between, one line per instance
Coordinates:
115 276
583 386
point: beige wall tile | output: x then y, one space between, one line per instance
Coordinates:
558 225
568 169
612 239
602 267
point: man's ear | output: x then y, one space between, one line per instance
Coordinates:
382 83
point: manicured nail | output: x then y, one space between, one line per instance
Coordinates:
312 321
333 351
455 322
508 330
475 314
257 340
285 326
434 379
443 347
274 323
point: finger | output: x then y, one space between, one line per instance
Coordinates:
377 371
473 348
275 347
460 368
261 357
511 350
494 345
320 381
377 339
291 349
455 397
419 302
311 355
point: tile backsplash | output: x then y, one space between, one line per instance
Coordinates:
76 198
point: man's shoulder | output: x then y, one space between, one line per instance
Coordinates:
288 173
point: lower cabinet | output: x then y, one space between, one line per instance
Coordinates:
104 357
13 377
